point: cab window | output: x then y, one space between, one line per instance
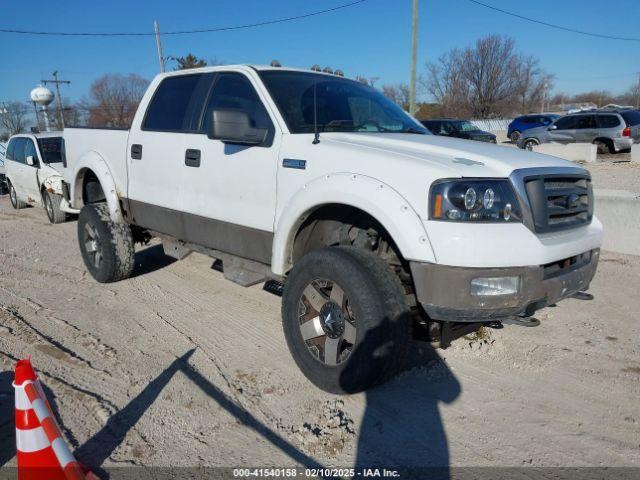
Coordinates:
566 123
586 121
51 149
233 91
177 104
18 149
30 151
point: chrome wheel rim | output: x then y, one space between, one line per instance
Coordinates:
327 324
12 194
91 242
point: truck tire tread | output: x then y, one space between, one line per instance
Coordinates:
384 330
118 245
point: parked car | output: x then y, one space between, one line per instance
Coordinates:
527 122
323 184
458 129
608 130
33 166
3 176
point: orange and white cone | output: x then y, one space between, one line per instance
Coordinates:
41 451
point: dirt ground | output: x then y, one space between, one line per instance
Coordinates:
177 366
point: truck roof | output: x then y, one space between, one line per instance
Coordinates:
240 67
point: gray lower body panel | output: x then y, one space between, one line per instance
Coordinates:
226 237
444 291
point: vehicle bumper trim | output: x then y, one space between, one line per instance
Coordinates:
444 291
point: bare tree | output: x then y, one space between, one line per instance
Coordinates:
113 100
371 81
13 117
446 82
487 79
532 84
398 93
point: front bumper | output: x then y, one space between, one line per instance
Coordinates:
445 294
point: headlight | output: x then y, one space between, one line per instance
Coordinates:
474 200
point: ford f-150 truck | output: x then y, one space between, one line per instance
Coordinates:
374 228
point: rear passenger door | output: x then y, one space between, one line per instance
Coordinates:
586 129
156 152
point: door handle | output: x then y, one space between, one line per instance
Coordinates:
192 158
136 151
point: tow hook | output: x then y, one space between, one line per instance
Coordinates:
522 321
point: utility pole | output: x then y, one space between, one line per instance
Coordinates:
60 108
414 54
638 93
156 29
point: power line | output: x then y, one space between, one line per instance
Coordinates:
558 27
182 32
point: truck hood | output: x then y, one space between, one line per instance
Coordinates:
452 157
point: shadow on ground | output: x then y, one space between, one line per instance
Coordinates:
151 259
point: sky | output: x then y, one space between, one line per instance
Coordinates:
371 39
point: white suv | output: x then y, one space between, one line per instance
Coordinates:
324 185
33 164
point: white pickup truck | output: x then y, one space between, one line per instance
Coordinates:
376 228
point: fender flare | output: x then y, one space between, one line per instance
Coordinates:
368 194
92 161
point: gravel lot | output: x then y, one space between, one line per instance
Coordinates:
179 367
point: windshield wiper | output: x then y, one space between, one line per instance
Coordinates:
413 130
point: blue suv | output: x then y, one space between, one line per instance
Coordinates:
525 122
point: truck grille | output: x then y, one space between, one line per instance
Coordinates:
560 202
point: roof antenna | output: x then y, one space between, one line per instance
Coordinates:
316 134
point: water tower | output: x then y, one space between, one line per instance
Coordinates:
42 96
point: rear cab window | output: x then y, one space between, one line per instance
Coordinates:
177 104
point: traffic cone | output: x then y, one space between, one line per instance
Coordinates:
42 453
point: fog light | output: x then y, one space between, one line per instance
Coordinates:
490 287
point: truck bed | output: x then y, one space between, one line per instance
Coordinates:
108 143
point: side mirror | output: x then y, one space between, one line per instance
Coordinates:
31 161
552 127
234 126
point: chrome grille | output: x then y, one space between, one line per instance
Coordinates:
559 202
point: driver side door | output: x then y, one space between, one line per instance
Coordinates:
565 130
229 190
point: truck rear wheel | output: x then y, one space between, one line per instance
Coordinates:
52 205
345 319
106 246
13 196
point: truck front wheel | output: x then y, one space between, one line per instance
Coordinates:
106 246
345 319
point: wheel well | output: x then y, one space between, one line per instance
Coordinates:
608 141
336 224
91 189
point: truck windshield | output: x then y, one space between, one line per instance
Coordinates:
50 148
341 105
